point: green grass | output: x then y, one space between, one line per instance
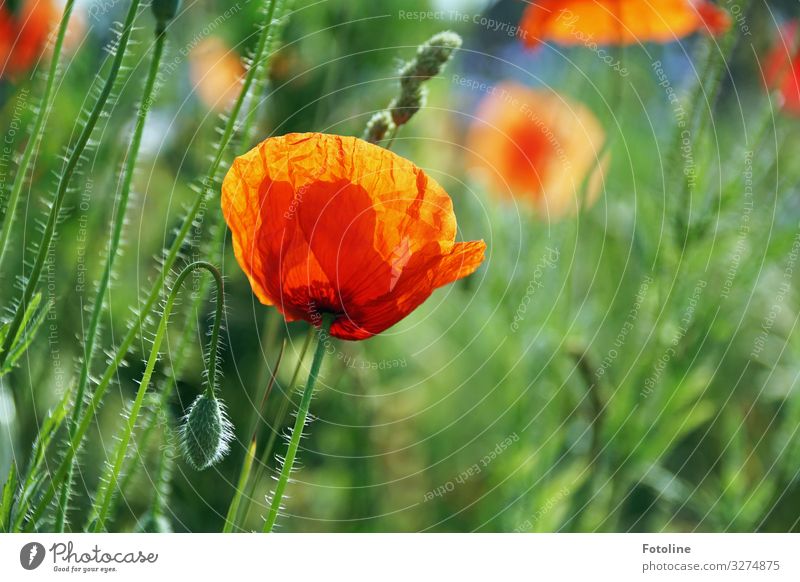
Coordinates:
649 384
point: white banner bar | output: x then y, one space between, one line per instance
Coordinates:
422 557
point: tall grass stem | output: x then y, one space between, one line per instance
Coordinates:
113 248
102 502
75 153
7 219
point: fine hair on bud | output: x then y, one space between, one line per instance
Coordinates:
205 433
378 126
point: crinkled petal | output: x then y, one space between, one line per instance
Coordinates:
330 224
619 22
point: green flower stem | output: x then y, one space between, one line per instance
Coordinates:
266 375
266 453
75 154
100 507
169 260
258 412
247 466
299 424
7 219
216 248
712 74
181 354
161 486
766 128
284 410
113 248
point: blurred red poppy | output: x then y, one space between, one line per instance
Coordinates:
782 68
330 224
216 71
24 34
537 146
619 22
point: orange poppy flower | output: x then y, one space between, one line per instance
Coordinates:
539 146
782 68
619 22
216 71
330 224
24 35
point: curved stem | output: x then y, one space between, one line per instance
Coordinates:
72 163
299 425
181 354
102 503
7 219
171 256
113 249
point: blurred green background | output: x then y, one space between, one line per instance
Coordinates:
591 416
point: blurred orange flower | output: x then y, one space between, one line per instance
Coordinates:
216 72
619 22
330 224
782 67
539 146
24 34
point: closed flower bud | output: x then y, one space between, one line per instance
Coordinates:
205 433
164 11
378 126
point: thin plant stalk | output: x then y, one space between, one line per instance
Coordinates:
299 425
216 245
199 203
163 476
284 410
258 411
280 417
76 151
7 219
113 248
266 453
247 466
108 488
181 355
712 74
171 256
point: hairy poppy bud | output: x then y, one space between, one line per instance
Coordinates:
205 433
378 126
164 11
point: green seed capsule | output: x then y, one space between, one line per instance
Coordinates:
205 433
